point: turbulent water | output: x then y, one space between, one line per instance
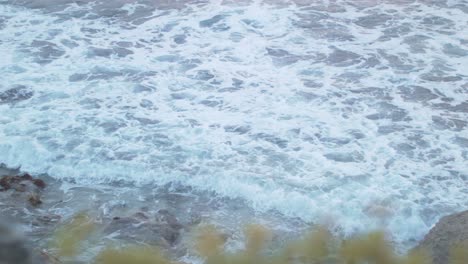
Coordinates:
356 110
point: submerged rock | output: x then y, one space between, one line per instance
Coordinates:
162 229
450 231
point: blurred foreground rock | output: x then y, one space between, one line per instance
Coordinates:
450 231
13 249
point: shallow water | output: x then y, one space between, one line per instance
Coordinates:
352 110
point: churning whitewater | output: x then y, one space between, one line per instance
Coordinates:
351 109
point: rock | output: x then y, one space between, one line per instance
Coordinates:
34 200
163 230
450 231
21 183
39 183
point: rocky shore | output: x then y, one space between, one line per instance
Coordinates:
35 206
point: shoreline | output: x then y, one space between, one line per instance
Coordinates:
162 216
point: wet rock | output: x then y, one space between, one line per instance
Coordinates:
162 230
450 231
21 183
16 94
34 200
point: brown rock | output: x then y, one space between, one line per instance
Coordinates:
34 200
20 183
449 232
25 177
39 183
5 182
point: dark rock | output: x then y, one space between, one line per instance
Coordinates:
34 200
5 183
450 231
21 183
39 183
26 177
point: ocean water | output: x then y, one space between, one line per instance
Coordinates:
349 110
